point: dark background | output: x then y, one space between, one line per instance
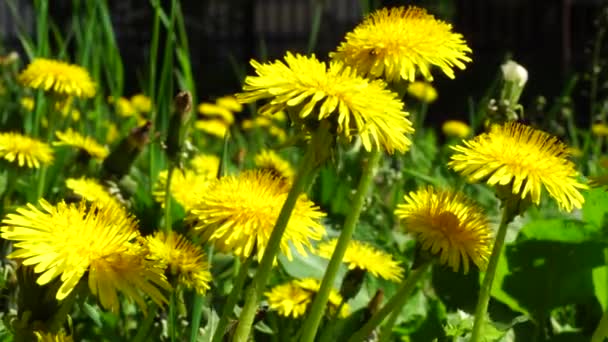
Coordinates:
551 38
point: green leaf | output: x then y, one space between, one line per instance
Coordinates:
560 230
595 208
311 266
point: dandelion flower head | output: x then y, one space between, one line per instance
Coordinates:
293 298
396 43
270 161
365 257
71 240
83 143
456 128
238 213
182 258
58 77
187 187
522 158
205 164
91 190
355 106
448 224
422 91
24 151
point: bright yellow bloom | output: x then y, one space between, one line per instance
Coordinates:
364 256
187 187
269 161
293 298
523 158
238 214
27 103
182 259
395 43
112 132
422 91
70 241
91 190
49 337
223 108
353 104
24 150
456 128
206 165
448 224
599 129
214 127
58 77
86 144
141 103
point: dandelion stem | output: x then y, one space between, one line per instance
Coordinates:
601 332
231 301
144 329
393 305
168 225
311 325
173 315
486 287
256 289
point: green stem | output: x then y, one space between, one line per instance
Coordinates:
317 310
168 199
197 314
486 287
173 315
231 301
393 305
144 329
315 25
256 289
601 332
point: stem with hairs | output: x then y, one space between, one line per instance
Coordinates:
486 287
394 305
256 289
317 310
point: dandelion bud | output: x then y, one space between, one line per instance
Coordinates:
352 283
513 72
118 163
181 115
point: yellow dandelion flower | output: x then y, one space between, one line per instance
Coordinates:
422 91
365 257
599 129
187 187
449 224
230 103
278 133
58 77
50 337
86 144
206 165
395 43
214 111
182 259
70 241
27 103
91 190
25 151
356 105
213 127
293 298
112 132
268 160
456 128
141 103
522 158
123 106
238 213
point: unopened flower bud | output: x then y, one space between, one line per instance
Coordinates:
514 72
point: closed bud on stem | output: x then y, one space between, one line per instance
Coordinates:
515 77
352 283
178 125
118 163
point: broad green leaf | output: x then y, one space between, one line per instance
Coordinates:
595 208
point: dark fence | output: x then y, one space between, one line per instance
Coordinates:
550 37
